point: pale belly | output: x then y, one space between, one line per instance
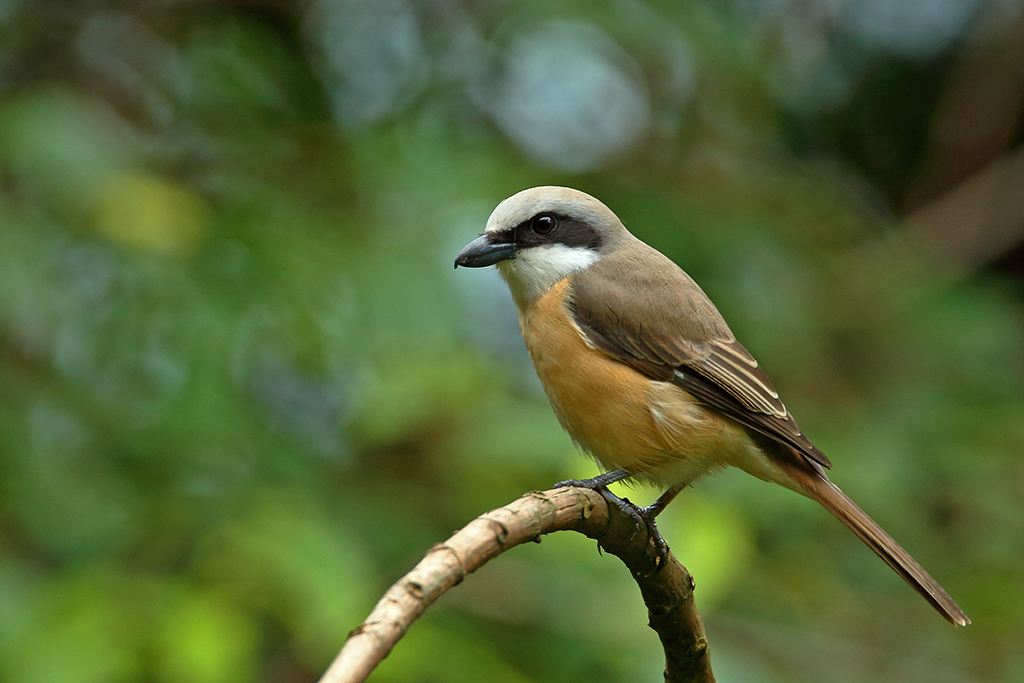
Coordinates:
655 430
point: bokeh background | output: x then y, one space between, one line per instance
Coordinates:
242 389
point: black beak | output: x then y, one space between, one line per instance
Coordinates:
484 252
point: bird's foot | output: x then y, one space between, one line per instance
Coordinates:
648 515
596 483
643 518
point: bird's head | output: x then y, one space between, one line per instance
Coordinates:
539 236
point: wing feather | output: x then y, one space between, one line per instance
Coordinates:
664 326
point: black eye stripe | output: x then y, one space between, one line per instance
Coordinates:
508 235
567 231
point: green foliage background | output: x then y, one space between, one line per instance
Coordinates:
242 390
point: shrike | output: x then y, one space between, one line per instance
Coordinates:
642 370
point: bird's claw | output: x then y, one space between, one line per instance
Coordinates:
643 516
661 549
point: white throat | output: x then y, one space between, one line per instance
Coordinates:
534 270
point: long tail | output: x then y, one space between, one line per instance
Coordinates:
856 520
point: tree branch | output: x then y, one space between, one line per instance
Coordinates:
981 218
667 591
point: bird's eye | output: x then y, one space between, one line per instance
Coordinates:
543 223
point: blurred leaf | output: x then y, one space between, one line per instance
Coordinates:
63 145
204 640
465 656
713 540
288 557
76 632
150 214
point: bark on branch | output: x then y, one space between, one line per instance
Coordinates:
667 591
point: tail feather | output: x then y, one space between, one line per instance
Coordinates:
875 537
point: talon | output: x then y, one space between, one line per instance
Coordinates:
642 516
647 514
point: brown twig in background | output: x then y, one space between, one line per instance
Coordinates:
667 591
978 220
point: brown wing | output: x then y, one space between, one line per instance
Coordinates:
728 379
641 309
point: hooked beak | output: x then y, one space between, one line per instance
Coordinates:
484 252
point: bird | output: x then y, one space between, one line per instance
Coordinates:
644 373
